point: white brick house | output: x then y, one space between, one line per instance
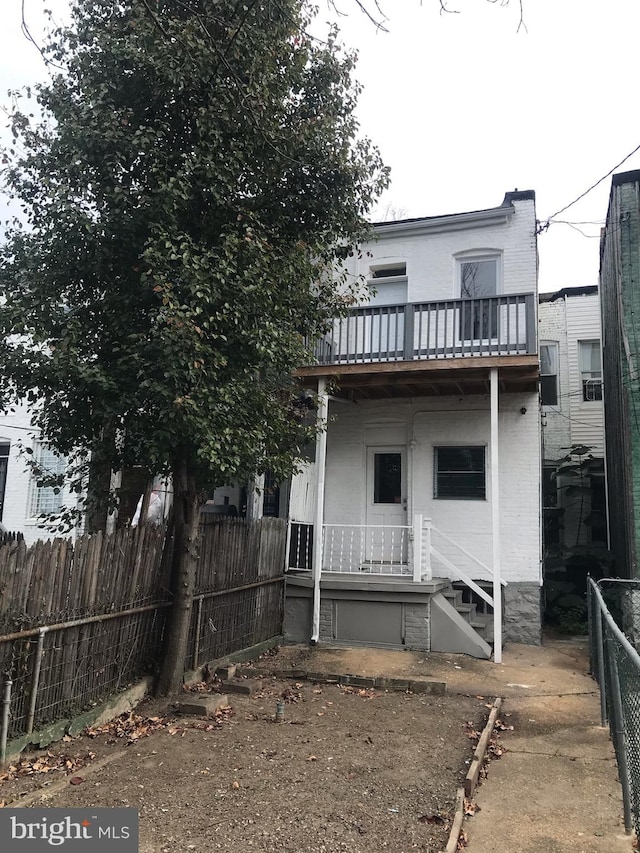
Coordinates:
428 473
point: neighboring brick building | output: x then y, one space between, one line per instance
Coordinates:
620 298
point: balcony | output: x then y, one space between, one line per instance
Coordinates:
422 331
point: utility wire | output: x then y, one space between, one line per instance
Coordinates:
547 223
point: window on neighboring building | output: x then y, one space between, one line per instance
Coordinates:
4 462
549 373
46 499
479 282
459 473
551 512
590 370
597 519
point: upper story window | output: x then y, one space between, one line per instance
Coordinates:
388 283
590 370
387 270
549 373
478 277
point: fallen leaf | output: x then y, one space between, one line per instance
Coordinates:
434 819
76 780
470 808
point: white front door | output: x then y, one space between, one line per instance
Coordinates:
386 534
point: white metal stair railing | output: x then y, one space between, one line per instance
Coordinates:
366 549
455 570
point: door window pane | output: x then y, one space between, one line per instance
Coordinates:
387 478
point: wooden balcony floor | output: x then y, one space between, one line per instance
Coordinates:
445 377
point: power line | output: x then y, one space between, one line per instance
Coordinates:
547 223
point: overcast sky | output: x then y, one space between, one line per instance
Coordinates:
464 107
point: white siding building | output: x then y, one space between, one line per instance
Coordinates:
22 501
572 416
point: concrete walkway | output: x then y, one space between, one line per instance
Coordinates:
556 789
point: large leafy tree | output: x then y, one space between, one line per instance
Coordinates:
188 195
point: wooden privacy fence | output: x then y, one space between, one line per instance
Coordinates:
80 621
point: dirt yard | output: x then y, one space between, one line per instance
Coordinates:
359 770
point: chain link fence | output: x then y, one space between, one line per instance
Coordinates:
614 639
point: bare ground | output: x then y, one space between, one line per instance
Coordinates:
348 769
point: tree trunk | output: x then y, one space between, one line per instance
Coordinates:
99 486
186 518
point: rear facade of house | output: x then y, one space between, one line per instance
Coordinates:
417 523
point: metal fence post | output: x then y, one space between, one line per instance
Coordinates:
618 732
4 727
601 676
35 679
196 644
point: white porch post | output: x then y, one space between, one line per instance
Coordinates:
321 459
495 521
417 548
426 547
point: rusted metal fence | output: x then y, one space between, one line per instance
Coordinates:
81 621
614 639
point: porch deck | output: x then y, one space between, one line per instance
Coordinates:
430 348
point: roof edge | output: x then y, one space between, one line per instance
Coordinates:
581 290
632 177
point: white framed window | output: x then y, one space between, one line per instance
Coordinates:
387 283
478 282
5 446
590 370
45 499
549 373
388 270
459 473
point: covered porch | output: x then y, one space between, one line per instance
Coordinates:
391 522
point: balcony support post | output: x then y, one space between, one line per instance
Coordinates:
495 520
318 532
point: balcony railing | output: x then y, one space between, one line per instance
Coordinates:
454 328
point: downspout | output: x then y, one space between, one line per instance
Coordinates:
495 521
321 459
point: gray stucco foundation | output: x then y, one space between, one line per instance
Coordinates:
394 613
389 612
